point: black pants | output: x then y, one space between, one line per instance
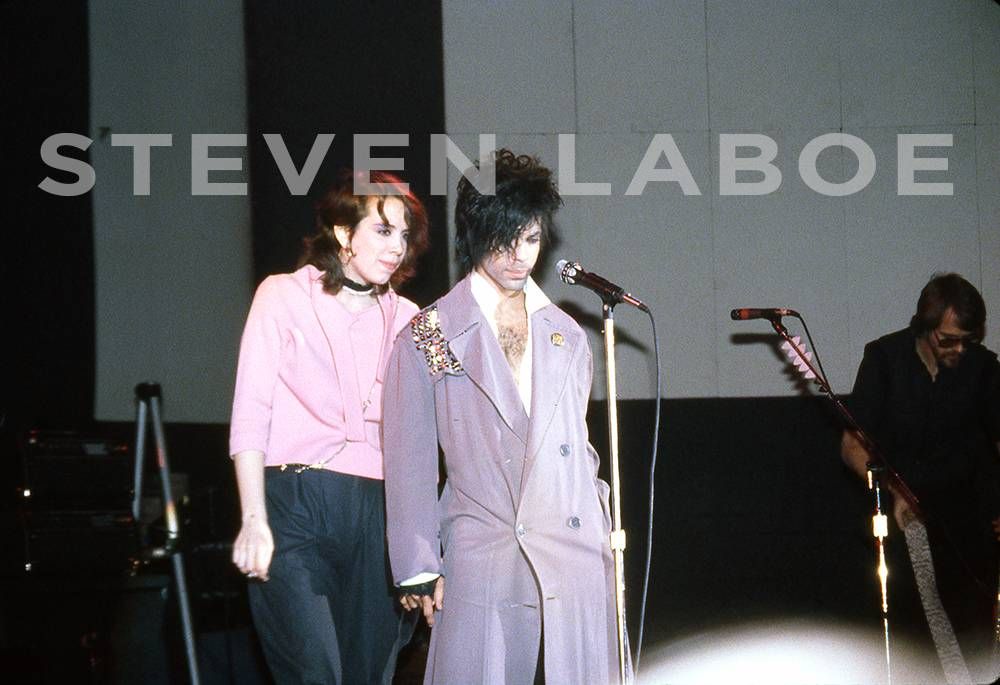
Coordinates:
328 614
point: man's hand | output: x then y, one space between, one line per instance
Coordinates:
902 512
996 527
854 454
426 603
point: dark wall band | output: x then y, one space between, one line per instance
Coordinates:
343 68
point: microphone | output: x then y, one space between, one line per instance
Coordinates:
773 314
572 273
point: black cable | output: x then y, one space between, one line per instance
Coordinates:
652 481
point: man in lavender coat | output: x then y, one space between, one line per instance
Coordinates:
499 378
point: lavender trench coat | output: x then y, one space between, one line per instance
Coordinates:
522 518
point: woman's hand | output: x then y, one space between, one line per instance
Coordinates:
253 548
254 545
426 603
902 512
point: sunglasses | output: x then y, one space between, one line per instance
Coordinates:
949 341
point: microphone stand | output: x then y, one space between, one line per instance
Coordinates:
880 529
572 274
617 533
877 467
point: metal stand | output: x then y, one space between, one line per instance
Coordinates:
617 534
878 469
880 529
148 396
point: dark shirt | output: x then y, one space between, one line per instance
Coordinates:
939 434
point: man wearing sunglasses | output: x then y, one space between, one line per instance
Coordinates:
929 396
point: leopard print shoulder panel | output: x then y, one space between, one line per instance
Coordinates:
425 329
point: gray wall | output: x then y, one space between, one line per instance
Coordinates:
173 272
618 73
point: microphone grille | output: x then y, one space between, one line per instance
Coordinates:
565 270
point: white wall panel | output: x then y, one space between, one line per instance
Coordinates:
988 161
640 66
508 66
986 42
907 63
773 65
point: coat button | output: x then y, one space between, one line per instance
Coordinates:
520 530
564 450
573 522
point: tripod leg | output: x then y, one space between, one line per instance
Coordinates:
140 455
187 623
173 537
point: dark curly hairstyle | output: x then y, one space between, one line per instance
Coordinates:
339 206
525 192
946 291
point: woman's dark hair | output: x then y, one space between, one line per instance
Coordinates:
339 206
525 192
946 291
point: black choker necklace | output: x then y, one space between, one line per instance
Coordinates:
357 287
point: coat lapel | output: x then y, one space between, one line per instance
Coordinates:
552 349
476 348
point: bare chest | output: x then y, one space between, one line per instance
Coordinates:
512 334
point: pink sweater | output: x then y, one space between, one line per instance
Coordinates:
309 381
